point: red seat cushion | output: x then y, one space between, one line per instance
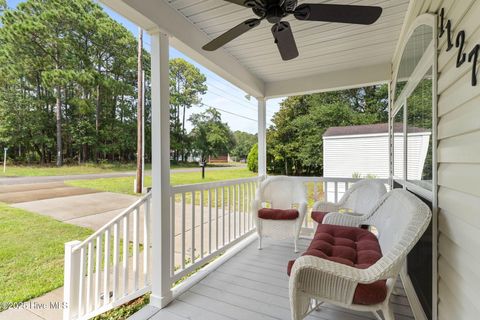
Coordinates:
278 214
318 216
355 247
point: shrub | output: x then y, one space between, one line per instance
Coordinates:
252 159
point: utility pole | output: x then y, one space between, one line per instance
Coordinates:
139 180
143 131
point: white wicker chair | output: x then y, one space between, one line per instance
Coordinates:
280 192
360 198
400 218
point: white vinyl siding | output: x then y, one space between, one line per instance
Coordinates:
368 155
458 166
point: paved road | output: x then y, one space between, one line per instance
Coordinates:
30 180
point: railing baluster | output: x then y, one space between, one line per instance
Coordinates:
202 212
116 248
146 243
335 184
126 244
325 191
229 214
244 208
98 265
89 291
249 203
182 263
135 249
81 282
216 219
223 216
235 211
172 228
209 220
106 269
192 256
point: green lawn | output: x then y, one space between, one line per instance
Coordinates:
125 184
89 168
31 253
36 171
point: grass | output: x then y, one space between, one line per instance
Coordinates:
125 184
31 253
38 171
126 310
88 168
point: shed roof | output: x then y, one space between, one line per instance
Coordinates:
368 129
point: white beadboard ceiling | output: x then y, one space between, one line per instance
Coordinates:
333 56
323 47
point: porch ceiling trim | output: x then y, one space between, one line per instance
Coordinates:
185 37
331 81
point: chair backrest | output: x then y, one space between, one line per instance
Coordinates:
363 195
282 192
400 218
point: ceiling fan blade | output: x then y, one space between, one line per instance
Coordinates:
231 34
284 39
338 13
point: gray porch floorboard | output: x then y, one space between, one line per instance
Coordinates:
254 285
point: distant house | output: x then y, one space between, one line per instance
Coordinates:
225 158
363 151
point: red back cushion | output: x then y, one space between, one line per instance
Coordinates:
278 214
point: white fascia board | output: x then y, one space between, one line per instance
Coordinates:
154 15
331 81
372 135
351 136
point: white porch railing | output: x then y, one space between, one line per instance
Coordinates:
207 219
112 266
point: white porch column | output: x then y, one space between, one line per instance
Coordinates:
160 221
262 136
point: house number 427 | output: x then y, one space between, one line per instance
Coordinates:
459 43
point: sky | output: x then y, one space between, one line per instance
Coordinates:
239 112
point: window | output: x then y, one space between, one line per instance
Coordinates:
398 143
412 112
419 134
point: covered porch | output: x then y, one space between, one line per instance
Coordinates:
193 246
253 284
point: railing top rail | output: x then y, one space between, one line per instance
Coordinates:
209 185
132 207
328 179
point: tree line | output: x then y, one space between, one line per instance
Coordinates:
294 140
68 89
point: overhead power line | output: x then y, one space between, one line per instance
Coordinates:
229 112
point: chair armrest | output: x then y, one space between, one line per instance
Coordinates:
325 206
315 276
322 278
344 219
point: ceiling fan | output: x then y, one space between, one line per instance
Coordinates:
275 10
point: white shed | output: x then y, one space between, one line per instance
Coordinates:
363 150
